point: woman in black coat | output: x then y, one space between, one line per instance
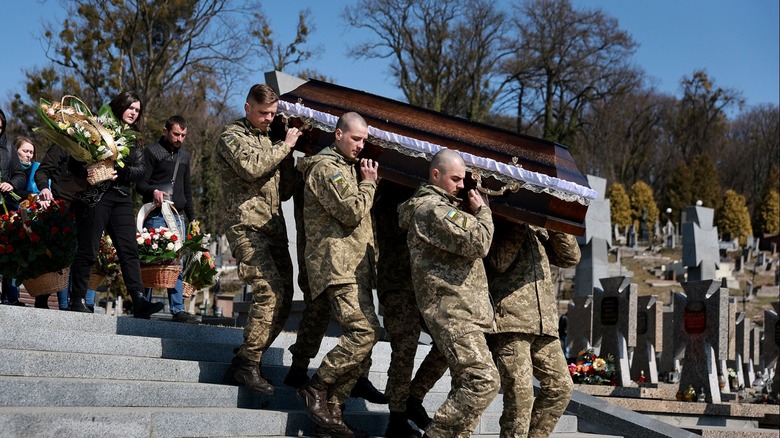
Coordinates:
108 206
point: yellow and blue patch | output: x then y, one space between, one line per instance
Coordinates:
340 183
457 218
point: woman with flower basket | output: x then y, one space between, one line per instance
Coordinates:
108 159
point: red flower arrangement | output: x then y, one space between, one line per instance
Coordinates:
35 240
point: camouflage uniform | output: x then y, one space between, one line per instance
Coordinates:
254 171
339 258
396 293
446 246
525 343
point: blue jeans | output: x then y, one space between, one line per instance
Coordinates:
10 292
175 294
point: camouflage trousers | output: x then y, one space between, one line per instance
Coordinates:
268 269
519 357
353 307
475 382
403 324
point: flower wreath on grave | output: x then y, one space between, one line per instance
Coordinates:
590 369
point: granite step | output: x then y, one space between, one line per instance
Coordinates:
76 422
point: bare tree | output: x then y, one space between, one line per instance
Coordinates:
283 55
565 59
443 53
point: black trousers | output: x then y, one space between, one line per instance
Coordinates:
114 214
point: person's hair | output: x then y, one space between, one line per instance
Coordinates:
261 93
443 160
5 122
350 120
21 139
175 120
122 102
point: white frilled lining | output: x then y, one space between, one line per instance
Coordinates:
508 173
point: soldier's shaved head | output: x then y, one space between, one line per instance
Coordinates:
443 161
351 120
447 171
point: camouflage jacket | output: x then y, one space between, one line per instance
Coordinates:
337 222
519 278
446 246
252 170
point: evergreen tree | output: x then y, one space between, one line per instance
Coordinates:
642 200
733 218
768 214
619 205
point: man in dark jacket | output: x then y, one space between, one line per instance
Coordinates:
168 180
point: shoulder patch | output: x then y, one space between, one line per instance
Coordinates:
340 183
457 218
230 140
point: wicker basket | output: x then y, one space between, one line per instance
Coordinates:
47 283
160 276
188 290
95 280
103 171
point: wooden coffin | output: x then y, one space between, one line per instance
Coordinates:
528 179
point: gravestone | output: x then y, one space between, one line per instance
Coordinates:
614 317
632 238
770 345
701 320
644 229
595 243
760 259
580 325
742 349
670 236
670 357
701 254
649 339
739 263
755 351
723 362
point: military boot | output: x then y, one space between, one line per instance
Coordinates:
416 412
314 396
339 429
398 426
246 373
296 377
366 390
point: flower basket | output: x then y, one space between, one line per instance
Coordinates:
86 137
160 276
95 280
47 283
102 171
188 290
199 270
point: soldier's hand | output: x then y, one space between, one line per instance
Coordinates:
292 136
368 169
476 200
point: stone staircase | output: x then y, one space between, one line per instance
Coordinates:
68 374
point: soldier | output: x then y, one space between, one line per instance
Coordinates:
525 341
339 261
446 247
253 169
401 318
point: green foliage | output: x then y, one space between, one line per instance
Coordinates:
733 218
697 181
642 200
768 214
619 205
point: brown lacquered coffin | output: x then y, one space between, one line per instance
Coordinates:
528 179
